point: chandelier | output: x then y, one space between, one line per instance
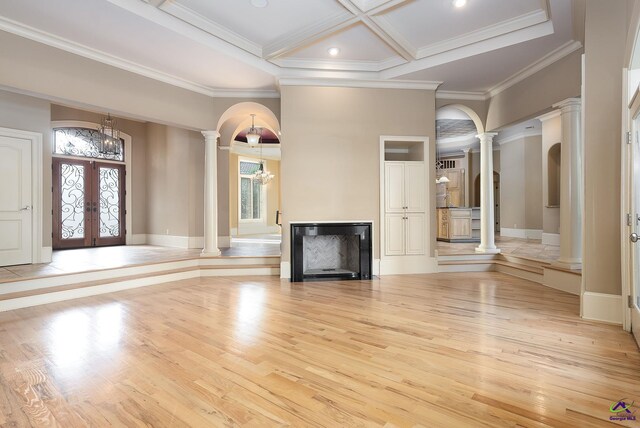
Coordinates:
253 136
262 175
110 142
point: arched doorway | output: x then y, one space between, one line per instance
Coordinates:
249 193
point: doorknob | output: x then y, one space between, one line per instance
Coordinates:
26 208
634 237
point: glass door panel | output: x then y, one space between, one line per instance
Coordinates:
71 203
88 204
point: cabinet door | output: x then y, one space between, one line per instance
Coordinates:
461 228
394 186
394 234
415 227
414 186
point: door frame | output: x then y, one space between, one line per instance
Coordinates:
38 253
130 239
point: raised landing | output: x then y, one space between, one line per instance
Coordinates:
532 269
38 290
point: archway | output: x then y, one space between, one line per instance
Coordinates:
248 207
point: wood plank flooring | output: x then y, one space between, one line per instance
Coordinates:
444 350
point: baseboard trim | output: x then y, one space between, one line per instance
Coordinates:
551 239
285 270
46 253
521 233
400 265
224 241
602 307
137 239
196 242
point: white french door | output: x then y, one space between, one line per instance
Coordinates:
16 201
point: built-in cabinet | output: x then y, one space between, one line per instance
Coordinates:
457 224
404 204
451 194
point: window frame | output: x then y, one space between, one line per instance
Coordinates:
262 196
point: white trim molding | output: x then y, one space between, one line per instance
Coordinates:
285 270
462 95
536 132
551 239
521 233
360 83
602 307
46 254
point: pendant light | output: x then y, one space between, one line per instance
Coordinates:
440 179
253 136
110 143
262 175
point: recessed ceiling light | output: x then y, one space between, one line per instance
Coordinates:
259 3
333 51
459 3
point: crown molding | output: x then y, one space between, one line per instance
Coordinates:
552 114
245 93
197 20
520 135
342 65
462 95
553 56
360 83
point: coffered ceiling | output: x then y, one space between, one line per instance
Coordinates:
230 47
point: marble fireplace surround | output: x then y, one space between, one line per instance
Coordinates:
331 250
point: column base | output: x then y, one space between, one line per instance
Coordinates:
571 264
482 250
211 253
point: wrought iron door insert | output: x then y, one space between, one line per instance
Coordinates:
88 203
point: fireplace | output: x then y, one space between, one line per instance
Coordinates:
328 251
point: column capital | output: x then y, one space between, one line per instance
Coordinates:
569 104
467 150
210 135
486 136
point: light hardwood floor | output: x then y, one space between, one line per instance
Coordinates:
445 350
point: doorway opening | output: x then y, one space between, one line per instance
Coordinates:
88 191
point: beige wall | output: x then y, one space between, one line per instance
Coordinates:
138 133
32 114
330 150
58 75
175 195
536 94
551 134
605 40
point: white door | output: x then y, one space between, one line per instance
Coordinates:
394 186
414 186
15 201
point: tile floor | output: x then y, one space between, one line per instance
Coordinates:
530 248
89 259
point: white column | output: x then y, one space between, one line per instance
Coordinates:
570 185
467 175
210 193
487 204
